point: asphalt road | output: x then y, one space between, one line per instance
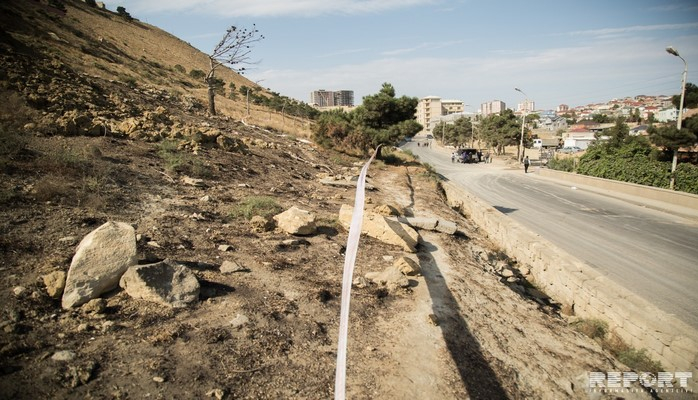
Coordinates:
652 253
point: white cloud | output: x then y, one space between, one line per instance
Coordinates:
258 8
610 32
573 75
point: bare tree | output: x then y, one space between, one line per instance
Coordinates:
234 51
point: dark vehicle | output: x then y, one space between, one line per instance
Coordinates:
468 156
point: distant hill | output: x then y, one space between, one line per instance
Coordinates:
87 47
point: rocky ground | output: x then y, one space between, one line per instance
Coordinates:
270 331
95 126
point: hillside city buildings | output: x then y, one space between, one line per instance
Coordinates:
325 98
432 109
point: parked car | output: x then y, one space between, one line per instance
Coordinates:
430 136
468 156
570 150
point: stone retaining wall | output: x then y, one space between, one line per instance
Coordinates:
588 293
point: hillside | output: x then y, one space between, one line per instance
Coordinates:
98 125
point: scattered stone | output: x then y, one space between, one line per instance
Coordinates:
229 267
296 221
407 266
80 374
294 242
19 290
524 270
158 379
94 306
55 283
217 393
69 240
447 227
386 210
390 277
165 282
153 243
382 228
197 217
239 321
261 224
63 355
205 199
506 273
361 282
192 181
100 260
225 247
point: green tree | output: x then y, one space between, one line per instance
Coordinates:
690 97
617 133
600 118
122 12
381 119
672 139
500 130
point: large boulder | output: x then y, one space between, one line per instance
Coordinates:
164 282
296 221
99 261
382 228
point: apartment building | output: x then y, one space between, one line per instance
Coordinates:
528 106
432 107
492 107
328 98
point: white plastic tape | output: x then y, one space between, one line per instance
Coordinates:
357 218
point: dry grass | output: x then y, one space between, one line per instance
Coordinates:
116 47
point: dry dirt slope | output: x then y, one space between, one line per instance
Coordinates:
80 148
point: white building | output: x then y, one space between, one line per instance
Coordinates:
432 107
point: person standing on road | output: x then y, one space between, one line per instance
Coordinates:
527 162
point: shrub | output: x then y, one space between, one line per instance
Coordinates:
255 205
593 328
687 178
638 360
180 69
168 151
566 164
197 74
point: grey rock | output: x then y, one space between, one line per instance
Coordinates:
165 282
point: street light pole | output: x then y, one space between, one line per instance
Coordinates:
674 160
523 126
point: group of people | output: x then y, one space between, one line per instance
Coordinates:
467 157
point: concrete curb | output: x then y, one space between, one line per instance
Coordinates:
579 287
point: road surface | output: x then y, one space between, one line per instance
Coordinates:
652 253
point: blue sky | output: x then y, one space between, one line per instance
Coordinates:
571 52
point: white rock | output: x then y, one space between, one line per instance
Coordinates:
63 355
296 221
100 259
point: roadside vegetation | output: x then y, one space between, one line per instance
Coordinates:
637 359
638 159
382 119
